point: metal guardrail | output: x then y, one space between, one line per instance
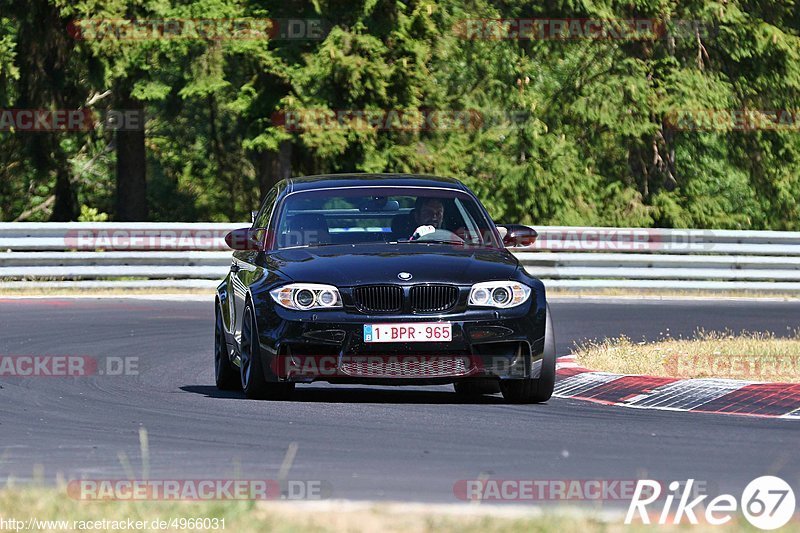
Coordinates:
181 255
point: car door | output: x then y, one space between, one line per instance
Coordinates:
244 267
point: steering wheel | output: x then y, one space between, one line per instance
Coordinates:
438 235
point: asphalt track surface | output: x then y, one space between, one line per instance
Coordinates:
381 443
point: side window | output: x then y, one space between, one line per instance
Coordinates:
261 223
262 219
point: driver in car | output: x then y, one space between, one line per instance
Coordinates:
429 215
428 212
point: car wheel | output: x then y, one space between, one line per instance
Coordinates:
254 384
225 374
539 389
475 388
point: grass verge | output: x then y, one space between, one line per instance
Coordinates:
671 293
748 356
324 516
103 291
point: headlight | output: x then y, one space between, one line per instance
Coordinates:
303 296
498 294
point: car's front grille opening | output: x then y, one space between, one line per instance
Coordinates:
406 366
378 298
430 298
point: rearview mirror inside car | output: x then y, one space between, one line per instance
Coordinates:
380 203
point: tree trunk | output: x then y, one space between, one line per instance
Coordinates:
273 167
44 83
66 203
131 202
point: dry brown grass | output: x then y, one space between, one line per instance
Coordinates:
748 356
324 516
102 291
671 293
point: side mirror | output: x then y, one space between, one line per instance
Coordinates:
517 235
253 215
244 239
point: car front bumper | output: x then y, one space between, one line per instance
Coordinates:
307 346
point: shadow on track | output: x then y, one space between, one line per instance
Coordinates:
344 394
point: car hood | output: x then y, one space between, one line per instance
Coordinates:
347 265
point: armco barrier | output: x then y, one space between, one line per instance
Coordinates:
175 255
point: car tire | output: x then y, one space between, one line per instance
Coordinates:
536 390
476 388
225 373
254 383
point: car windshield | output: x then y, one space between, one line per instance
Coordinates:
362 215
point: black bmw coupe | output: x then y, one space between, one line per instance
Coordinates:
381 279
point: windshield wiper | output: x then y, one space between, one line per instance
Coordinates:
432 241
319 244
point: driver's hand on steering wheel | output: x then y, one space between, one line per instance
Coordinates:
421 232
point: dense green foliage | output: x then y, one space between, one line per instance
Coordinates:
577 131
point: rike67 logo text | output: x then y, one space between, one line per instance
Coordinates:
767 503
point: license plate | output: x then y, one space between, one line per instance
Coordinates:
412 332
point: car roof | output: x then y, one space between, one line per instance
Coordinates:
325 181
